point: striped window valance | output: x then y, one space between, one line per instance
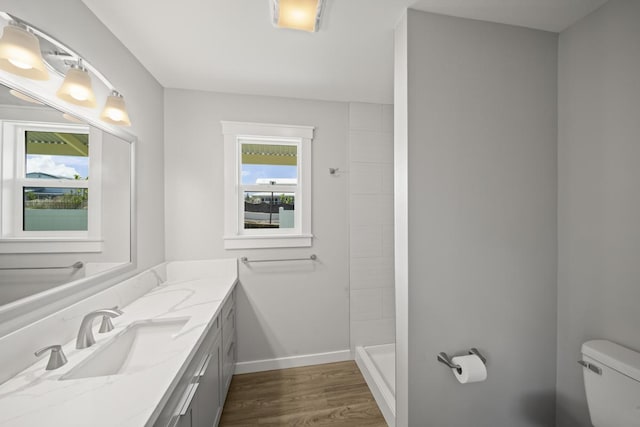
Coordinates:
269 154
57 143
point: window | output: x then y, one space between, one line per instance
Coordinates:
51 186
267 185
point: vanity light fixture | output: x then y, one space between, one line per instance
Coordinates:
20 53
301 15
115 110
76 87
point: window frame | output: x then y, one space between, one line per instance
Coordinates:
235 235
13 237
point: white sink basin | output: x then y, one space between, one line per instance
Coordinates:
132 349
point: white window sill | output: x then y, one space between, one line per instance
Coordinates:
271 241
48 245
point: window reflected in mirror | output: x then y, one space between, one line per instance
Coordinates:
57 155
55 209
53 157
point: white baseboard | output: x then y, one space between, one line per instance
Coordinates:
292 361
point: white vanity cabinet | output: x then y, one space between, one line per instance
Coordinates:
199 396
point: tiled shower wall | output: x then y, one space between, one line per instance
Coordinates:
371 224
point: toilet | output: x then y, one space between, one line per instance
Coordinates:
612 383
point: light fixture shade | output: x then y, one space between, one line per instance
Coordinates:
24 97
115 111
297 14
20 54
77 89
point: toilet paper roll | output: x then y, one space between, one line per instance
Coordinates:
473 369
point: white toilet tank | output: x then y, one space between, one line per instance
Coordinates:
612 383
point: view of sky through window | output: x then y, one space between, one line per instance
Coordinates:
251 173
58 154
60 166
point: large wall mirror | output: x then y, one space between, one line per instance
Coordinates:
67 202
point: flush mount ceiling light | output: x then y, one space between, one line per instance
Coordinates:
115 110
20 53
76 87
297 14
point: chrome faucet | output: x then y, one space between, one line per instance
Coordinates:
106 325
85 334
56 359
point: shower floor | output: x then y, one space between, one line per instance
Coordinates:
378 366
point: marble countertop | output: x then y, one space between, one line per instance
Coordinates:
38 397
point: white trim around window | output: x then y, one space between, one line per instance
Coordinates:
235 234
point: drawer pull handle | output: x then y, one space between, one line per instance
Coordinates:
231 348
188 399
229 313
204 366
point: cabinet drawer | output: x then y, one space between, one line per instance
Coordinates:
228 326
228 306
209 402
228 320
215 327
228 365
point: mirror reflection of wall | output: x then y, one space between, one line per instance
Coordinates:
65 198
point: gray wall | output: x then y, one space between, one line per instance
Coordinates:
72 22
599 201
482 130
284 309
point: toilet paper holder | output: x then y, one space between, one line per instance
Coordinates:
444 358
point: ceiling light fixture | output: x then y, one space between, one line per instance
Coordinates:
20 53
76 87
297 14
115 110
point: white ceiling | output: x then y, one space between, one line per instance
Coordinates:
231 46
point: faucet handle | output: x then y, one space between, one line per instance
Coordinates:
56 359
107 324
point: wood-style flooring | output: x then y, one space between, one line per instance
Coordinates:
333 395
